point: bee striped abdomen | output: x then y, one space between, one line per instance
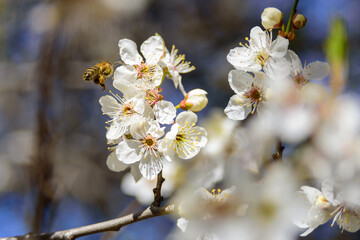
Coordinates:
98 73
91 73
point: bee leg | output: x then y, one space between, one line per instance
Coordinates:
102 82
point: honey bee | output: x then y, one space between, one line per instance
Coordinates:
99 73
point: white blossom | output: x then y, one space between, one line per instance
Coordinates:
250 93
176 64
142 74
184 139
143 147
260 53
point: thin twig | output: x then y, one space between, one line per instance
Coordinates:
279 151
157 191
110 225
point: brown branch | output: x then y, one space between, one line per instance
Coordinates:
279 151
157 191
110 225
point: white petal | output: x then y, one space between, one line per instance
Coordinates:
295 63
311 193
114 164
164 112
166 146
313 93
150 166
258 39
109 105
204 194
138 129
135 172
316 70
138 102
173 132
327 188
116 130
186 118
239 80
307 232
351 221
201 135
128 52
243 58
152 49
279 47
127 154
124 78
236 108
154 129
182 223
277 69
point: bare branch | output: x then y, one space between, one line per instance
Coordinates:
157 191
110 225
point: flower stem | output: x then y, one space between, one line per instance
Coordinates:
293 11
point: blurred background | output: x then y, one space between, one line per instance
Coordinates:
53 148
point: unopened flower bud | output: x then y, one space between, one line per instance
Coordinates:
195 100
299 21
271 18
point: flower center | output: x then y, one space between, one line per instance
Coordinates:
128 110
300 80
149 142
146 71
261 58
322 202
254 94
153 96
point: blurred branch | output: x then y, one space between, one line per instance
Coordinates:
110 225
42 168
279 151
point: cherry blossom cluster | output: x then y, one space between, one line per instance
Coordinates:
139 118
291 108
264 69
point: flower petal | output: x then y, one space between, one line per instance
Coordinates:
186 118
115 131
243 58
316 70
109 105
113 163
164 112
236 108
128 52
127 154
152 49
258 39
239 80
135 172
150 166
182 223
279 47
295 63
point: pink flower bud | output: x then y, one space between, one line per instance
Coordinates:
299 21
195 100
271 18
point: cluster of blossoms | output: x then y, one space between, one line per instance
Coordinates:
139 117
260 188
289 107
